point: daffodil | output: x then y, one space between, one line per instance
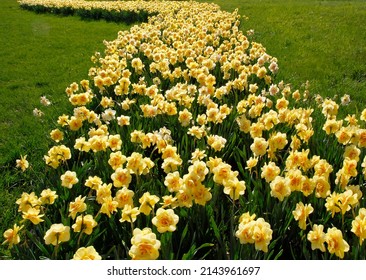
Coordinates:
121 177
259 146
129 214
359 225
317 237
301 213
84 224
270 171
22 163
109 206
33 215
68 179
56 234
86 253
57 135
145 246
124 197
165 220
12 236
48 196
336 244
279 188
77 206
147 202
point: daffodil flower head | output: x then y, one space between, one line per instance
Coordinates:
22 163
86 253
145 246
56 234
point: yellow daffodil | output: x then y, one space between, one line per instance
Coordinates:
124 197
301 213
121 177
165 220
33 215
12 235
147 203
145 246
359 225
86 253
86 224
336 244
56 234
77 206
22 163
68 179
129 214
48 196
279 188
317 237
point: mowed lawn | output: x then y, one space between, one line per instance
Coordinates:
323 42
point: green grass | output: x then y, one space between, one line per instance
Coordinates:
320 41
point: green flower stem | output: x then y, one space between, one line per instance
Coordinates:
232 230
55 252
167 248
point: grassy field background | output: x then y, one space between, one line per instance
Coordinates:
320 41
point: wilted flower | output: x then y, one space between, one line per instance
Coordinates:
37 112
44 101
345 100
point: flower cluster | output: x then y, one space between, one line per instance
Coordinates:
181 118
254 231
333 238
